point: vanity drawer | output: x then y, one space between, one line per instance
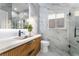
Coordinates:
18 51
35 42
36 46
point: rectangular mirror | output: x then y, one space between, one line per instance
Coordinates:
14 15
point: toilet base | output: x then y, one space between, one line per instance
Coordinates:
44 46
44 49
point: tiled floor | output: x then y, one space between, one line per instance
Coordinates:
53 53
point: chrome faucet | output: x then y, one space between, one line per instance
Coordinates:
19 34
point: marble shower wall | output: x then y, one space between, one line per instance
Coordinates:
58 38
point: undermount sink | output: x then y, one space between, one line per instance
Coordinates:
22 37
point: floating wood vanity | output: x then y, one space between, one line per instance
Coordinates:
30 48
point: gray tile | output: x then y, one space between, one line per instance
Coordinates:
53 53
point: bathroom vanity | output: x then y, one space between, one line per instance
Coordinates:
21 47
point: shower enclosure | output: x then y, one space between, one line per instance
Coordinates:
74 32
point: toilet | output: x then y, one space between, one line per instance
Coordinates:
44 45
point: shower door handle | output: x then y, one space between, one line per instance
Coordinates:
75 32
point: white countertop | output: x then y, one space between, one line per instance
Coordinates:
9 44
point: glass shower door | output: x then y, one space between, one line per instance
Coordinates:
74 33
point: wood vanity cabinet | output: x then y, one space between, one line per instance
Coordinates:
27 49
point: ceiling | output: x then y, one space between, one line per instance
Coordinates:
20 7
24 7
60 7
6 6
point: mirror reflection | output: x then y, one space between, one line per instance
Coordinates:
14 15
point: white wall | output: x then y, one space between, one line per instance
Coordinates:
58 37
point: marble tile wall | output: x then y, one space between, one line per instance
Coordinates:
33 17
58 37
